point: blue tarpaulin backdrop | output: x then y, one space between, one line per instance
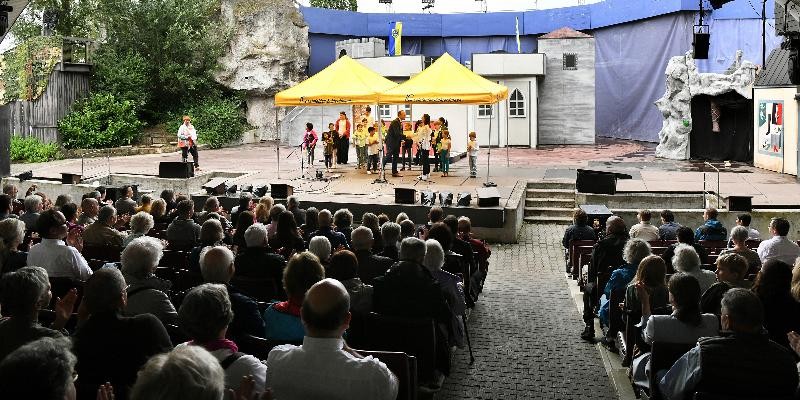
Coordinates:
634 40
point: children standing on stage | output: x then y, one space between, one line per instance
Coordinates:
373 147
436 134
444 151
472 152
407 143
360 141
335 137
328 147
310 141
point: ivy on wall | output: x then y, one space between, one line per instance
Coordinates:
25 69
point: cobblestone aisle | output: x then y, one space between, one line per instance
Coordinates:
525 330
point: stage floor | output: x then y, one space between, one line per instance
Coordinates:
509 167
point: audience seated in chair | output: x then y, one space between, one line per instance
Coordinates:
110 347
287 235
188 372
159 212
779 247
481 249
336 239
52 253
43 369
211 234
687 261
652 274
216 265
103 231
635 252
183 232
370 220
293 206
739 237
606 255
90 208
12 233
743 363
245 219
669 228
452 287
245 204
212 206
459 246
407 229
7 207
370 266
33 207
321 247
579 230
686 324
711 229
644 229
731 273
283 318
343 221
272 218
390 233
205 314
685 236
146 292
141 223
126 204
257 260
781 310
310 224
344 268
743 220
324 366
147 204
22 294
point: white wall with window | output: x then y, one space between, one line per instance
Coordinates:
485 111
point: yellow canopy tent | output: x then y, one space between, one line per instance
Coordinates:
345 81
446 81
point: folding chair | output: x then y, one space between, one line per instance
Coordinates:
403 366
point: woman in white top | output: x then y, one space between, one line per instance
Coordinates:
685 325
424 145
187 141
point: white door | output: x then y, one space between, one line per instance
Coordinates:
518 113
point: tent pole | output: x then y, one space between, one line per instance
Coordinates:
382 177
508 144
488 183
278 142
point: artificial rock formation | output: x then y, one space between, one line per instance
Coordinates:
267 52
683 82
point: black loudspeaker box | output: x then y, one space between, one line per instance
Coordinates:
216 186
70 179
488 197
464 199
701 44
446 199
428 198
739 203
597 182
281 190
405 195
175 169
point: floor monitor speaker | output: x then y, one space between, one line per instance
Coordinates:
175 169
405 195
739 203
488 197
281 190
464 199
597 182
215 186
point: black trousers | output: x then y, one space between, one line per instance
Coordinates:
392 154
589 294
342 150
192 150
426 163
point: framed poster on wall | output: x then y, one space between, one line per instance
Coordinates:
770 127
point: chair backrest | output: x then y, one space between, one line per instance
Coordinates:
105 253
174 259
176 334
414 336
259 347
663 356
59 286
403 366
185 279
261 289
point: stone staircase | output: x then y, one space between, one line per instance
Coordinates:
548 202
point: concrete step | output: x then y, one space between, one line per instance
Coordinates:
550 202
548 220
548 212
550 193
554 184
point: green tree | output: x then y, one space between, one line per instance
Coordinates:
77 18
350 5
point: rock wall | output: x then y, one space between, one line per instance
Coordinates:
267 52
683 82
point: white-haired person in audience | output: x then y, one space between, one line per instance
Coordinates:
633 253
390 232
344 268
743 363
370 266
211 234
141 223
111 347
146 292
22 294
325 228
12 232
731 273
33 207
283 318
205 314
52 253
779 246
739 237
687 261
685 324
188 372
103 231
217 266
452 287
325 366
320 246
401 217
257 260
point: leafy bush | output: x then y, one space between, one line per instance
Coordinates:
218 122
351 5
32 150
26 69
100 121
125 75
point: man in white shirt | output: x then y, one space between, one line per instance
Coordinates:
52 253
779 246
324 367
644 230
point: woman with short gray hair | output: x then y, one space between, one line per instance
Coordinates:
687 260
188 372
205 315
140 223
146 292
12 232
43 369
633 253
320 246
739 236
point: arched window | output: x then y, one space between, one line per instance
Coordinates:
516 104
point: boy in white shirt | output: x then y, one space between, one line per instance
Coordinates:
472 151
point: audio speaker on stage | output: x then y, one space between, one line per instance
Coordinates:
259 191
281 190
427 198
488 197
175 169
70 179
597 182
464 199
446 199
739 203
405 195
25 176
701 43
216 186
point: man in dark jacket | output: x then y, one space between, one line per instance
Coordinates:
393 138
606 255
711 229
325 222
370 266
743 363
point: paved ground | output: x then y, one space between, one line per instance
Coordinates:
525 330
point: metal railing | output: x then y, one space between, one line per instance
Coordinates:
96 167
705 191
